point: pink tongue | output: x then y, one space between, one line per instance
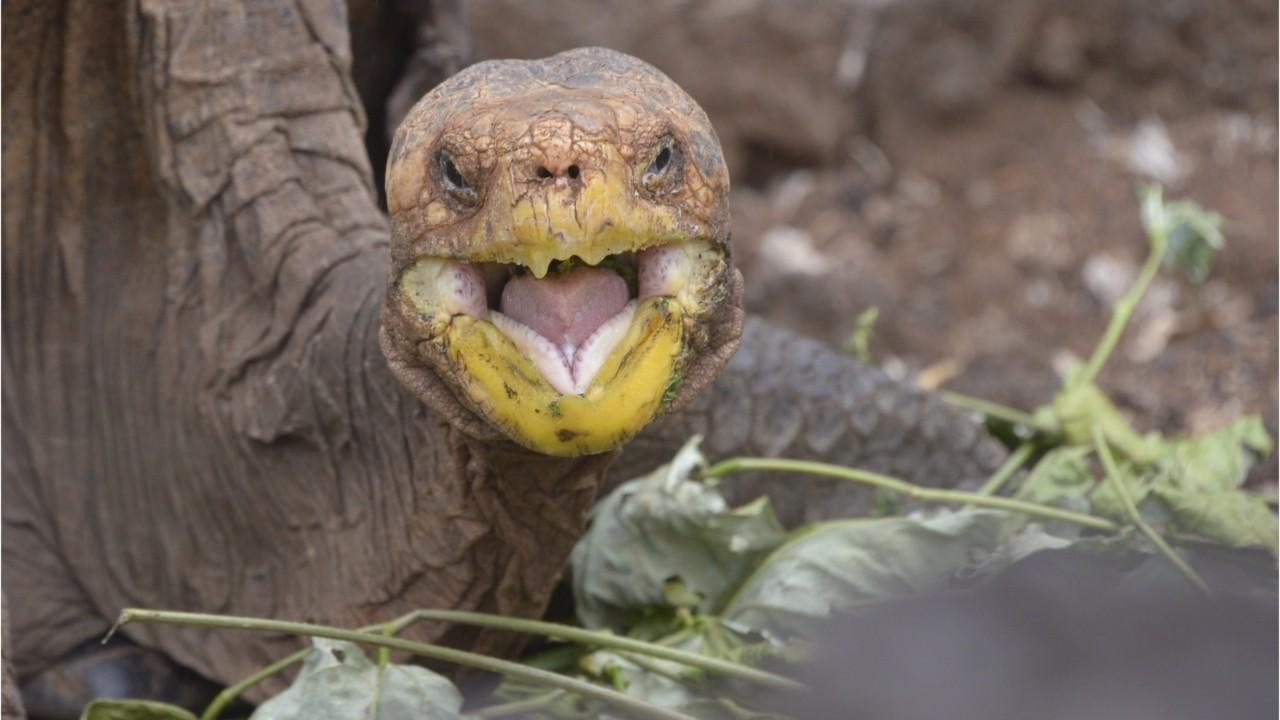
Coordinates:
565 309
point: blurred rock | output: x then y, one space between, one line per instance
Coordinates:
1148 152
1041 241
1107 278
790 250
775 76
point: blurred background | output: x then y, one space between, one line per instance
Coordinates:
969 168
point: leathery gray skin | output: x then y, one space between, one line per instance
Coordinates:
784 395
197 411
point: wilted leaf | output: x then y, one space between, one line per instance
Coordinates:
1218 460
833 567
1061 479
655 681
134 710
1192 236
1194 488
666 539
337 681
1233 517
1137 484
1199 481
1079 407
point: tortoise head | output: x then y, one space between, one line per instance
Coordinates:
561 272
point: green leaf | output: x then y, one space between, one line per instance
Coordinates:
134 710
1061 479
678 686
835 567
1137 483
666 540
859 343
655 681
1233 518
1199 482
1195 488
1078 407
1190 235
1219 460
338 681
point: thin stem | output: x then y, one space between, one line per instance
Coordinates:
519 707
1122 312
650 666
459 657
992 409
915 491
384 658
1011 465
232 692
1113 476
602 639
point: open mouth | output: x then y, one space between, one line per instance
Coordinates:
569 321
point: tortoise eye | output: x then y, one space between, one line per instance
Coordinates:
657 173
661 162
456 185
451 173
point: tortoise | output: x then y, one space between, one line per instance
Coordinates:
234 385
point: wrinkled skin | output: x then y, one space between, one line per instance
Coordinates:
554 155
197 411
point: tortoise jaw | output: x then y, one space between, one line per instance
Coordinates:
590 396
627 389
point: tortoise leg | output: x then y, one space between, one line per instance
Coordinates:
119 669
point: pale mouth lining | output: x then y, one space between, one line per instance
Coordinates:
567 368
569 322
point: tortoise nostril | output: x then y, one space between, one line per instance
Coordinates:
544 173
573 172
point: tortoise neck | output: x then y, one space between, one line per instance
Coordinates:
535 508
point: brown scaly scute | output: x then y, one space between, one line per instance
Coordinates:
197 410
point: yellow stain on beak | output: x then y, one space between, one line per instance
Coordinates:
594 217
624 396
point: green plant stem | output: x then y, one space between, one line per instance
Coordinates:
1123 312
739 464
598 638
384 658
519 707
1113 476
993 409
650 666
1011 465
436 652
232 692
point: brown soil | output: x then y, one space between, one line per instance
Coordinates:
968 171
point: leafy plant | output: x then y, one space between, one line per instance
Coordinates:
682 599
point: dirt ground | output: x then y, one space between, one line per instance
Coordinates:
973 172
